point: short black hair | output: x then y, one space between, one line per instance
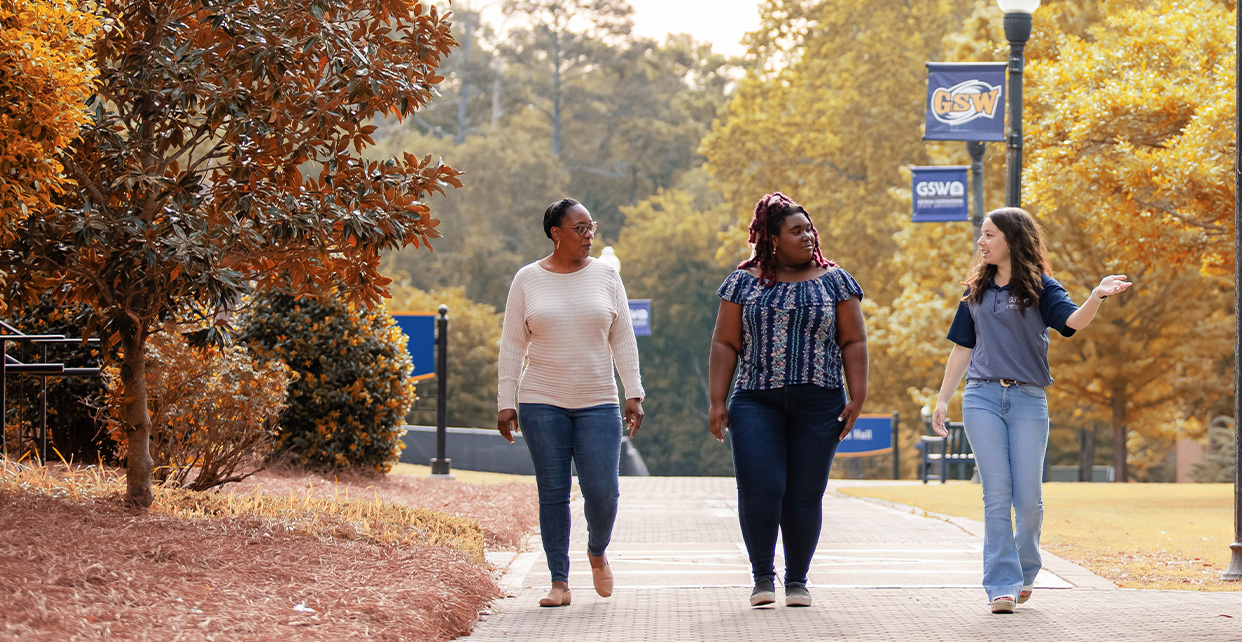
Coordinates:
555 213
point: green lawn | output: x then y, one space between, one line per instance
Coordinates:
1170 536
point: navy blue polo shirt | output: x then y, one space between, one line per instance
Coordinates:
1008 344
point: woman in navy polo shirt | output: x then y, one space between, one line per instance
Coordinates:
1001 332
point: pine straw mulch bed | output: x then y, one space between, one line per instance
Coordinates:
90 569
507 513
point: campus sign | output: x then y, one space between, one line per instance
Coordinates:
640 315
939 194
420 328
965 101
872 435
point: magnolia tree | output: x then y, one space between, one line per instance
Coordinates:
223 154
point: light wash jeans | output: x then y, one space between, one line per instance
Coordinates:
591 437
1008 432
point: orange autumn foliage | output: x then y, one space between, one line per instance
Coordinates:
46 75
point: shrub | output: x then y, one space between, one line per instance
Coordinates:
473 347
347 408
214 411
71 401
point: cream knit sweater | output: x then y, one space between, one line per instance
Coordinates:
572 327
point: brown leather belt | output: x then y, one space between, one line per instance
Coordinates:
1011 382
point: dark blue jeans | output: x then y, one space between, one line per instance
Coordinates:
783 444
591 438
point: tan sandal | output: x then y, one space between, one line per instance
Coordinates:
602 576
1025 594
556 597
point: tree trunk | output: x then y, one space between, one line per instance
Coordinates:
556 95
1120 430
1086 454
138 461
496 111
468 28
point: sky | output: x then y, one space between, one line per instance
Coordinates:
720 22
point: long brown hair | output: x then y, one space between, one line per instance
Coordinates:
765 226
1027 257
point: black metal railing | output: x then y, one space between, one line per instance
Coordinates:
10 365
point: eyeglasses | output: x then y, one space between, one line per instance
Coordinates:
582 229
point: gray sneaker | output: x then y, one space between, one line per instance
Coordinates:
797 595
764 593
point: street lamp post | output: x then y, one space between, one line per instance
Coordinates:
1234 572
1017 30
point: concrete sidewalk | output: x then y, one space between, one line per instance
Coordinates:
881 572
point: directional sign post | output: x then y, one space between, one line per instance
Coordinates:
420 328
640 315
872 435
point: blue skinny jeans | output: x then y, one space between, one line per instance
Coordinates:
1008 432
590 438
783 442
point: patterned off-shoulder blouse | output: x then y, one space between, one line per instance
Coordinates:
789 330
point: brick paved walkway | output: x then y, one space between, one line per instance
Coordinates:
880 573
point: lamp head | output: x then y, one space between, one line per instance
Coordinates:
609 257
1018 6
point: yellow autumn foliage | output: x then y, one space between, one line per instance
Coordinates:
46 75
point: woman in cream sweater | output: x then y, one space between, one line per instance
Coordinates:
567 315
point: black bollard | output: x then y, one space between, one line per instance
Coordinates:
441 465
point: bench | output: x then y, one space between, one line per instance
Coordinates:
951 455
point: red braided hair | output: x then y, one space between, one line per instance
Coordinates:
770 214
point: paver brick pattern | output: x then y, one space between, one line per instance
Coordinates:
880 573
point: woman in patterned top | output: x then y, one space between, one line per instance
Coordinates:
788 321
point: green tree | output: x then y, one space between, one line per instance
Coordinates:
565 41
667 254
493 225
218 159
473 348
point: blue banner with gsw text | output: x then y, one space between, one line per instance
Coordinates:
939 194
965 101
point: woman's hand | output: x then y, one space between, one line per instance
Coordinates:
507 423
634 415
938 418
1111 284
852 411
718 420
